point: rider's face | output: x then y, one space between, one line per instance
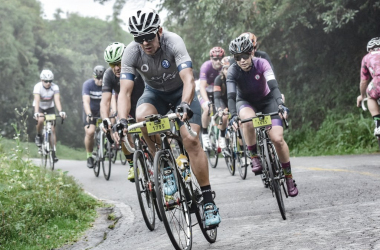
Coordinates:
216 62
116 68
244 61
151 47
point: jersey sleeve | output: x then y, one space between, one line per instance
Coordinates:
85 88
55 89
364 72
267 70
128 61
203 72
36 89
107 81
231 90
177 46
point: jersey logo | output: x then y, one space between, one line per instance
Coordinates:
165 64
144 68
257 77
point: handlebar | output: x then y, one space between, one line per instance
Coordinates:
363 105
43 115
262 115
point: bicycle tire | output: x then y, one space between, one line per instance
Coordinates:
123 159
241 157
212 153
114 151
276 186
177 210
230 160
50 153
107 165
144 188
210 234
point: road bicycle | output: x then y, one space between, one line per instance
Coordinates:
273 174
102 149
46 149
143 170
365 109
176 208
239 155
213 151
117 151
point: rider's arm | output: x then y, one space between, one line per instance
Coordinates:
105 104
124 99
231 93
187 78
86 104
218 92
57 101
363 87
37 99
202 90
113 104
272 82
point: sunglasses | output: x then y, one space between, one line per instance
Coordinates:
217 58
240 56
113 65
145 38
49 81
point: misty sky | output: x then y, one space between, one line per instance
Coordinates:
91 8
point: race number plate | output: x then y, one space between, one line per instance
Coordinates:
50 117
162 125
266 121
98 122
134 131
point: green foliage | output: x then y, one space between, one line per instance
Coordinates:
34 212
69 47
339 134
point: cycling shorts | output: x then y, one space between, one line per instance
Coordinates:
373 89
93 121
266 105
161 101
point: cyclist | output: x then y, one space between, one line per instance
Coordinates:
46 93
209 71
248 92
220 98
371 68
162 60
111 83
91 96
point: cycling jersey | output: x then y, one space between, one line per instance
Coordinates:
251 85
46 95
161 70
220 92
371 68
111 83
95 93
208 73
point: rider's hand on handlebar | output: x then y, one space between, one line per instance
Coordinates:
359 100
184 111
36 115
63 114
89 118
283 111
120 129
107 121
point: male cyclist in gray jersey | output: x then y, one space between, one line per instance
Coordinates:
162 60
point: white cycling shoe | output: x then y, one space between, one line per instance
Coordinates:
222 142
205 142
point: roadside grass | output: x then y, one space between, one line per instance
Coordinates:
339 134
63 152
39 209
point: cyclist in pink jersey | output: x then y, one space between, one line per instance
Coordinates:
209 71
371 68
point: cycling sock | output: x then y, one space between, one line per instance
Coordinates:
376 119
207 195
204 130
130 159
252 150
89 154
287 169
223 133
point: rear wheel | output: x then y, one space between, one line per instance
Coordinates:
174 207
144 189
274 174
107 160
212 152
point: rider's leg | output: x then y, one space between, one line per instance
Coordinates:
39 127
374 109
277 136
129 157
222 129
142 111
89 143
205 123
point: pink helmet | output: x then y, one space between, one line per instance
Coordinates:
217 52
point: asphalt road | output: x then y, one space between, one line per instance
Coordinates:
338 207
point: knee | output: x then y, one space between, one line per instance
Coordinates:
191 143
278 140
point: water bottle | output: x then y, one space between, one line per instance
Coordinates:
183 165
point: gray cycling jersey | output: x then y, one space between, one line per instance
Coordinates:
161 70
46 95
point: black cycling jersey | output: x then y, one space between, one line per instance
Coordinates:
111 82
220 92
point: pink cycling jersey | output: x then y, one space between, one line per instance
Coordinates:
371 68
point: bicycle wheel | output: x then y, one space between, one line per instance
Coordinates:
209 234
51 160
114 154
269 152
123 160
108 161
173 208
212 153
241 156
230 160
144 189
49 152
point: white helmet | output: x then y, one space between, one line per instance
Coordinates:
373 43
145 21
46 75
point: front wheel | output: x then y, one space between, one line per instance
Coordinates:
241 155
212 152
229 154
108 161
172 201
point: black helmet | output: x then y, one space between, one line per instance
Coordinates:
99 71
241 44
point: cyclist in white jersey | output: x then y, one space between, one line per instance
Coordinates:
46 93
161 58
